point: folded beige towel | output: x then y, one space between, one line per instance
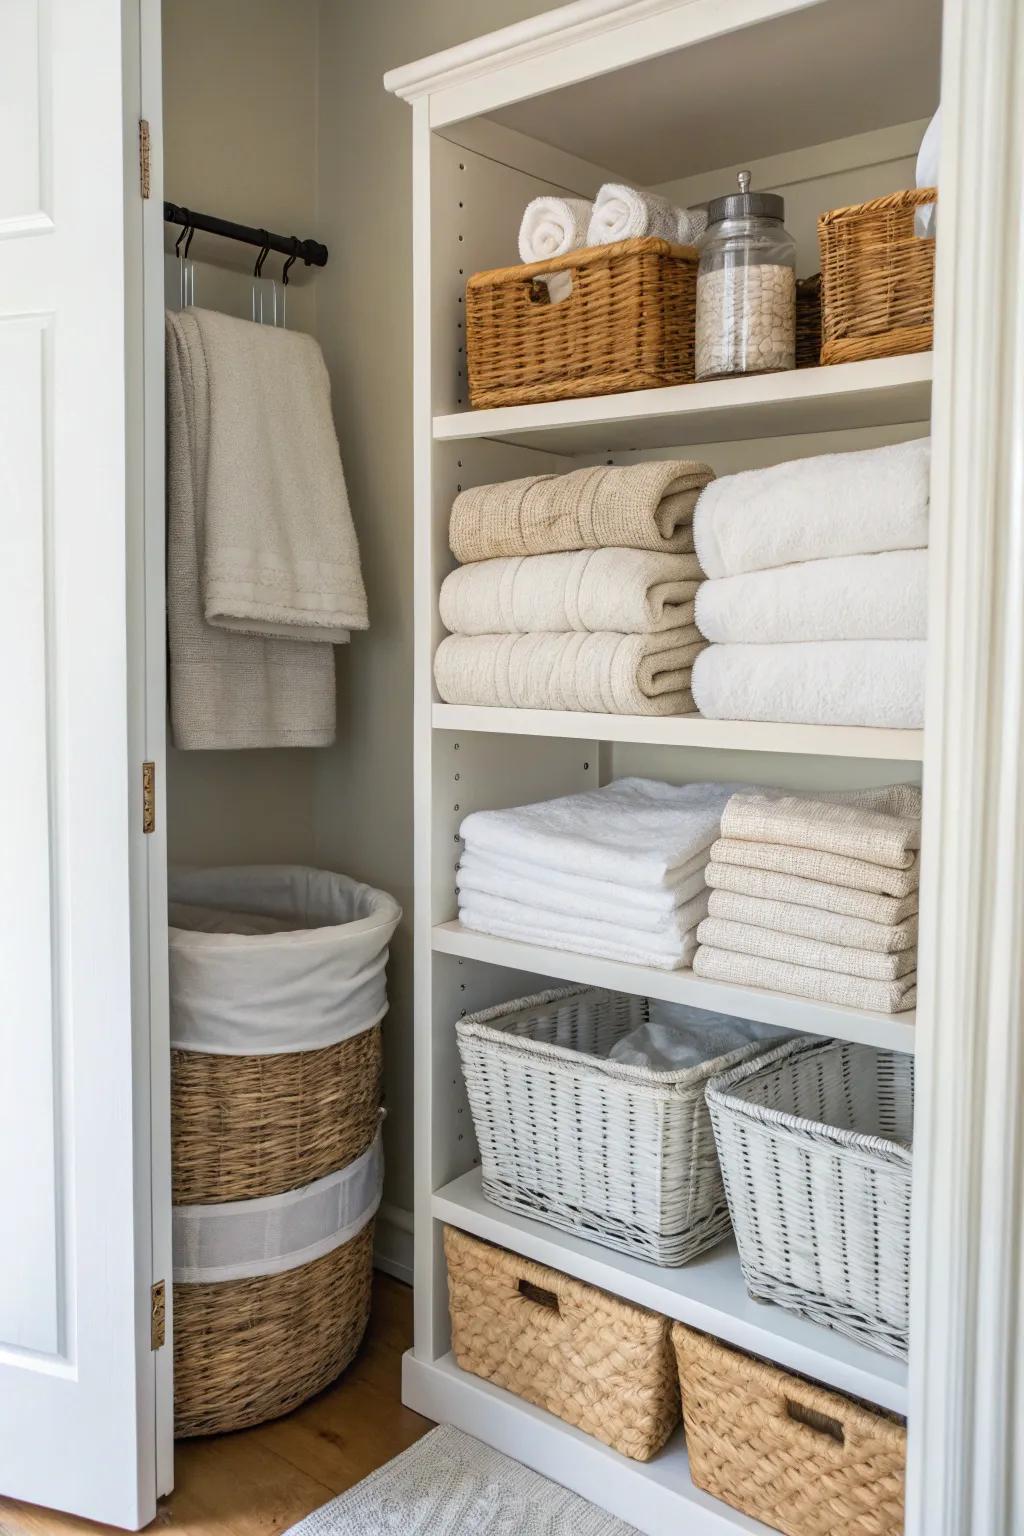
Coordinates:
812 864
622 591
637 506
812 923
226 690
882 826
805 981
611 674
770 886
748 939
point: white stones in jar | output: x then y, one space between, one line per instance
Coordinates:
746 320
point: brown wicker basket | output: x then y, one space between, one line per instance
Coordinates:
877 279
783 1450
808 321
627 324
601 1364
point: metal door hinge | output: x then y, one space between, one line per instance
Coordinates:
143 157
149 797
157 1314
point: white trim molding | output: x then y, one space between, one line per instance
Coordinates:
393 1243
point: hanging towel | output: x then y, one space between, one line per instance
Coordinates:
812 923
604 673
625 591
927 175
554 226
805 981
826 868
819 682
749 939
638 506
770 888
854 597
860 503
613 941
480 875
226 690
882 826
627 213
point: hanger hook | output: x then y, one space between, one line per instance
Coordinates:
186 229
264 253
291 260
188 242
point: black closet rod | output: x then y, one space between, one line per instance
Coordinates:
310 251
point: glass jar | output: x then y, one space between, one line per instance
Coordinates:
746 287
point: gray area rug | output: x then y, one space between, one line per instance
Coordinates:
449 1484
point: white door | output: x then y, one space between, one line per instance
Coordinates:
77 1396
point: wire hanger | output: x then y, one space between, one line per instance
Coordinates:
186 267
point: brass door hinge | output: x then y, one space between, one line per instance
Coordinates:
149 797
143 157
157 1315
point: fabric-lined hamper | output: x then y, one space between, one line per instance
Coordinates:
815 1146
621 1154
601 1364
877 279
628 323
803 1459
277 989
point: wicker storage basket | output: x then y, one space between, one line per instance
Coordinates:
815 1146
627 324
623 1155
601 1364
877 279
808 321
786 1451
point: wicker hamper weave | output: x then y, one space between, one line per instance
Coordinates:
627 324
877 279
815 1146
808 321
623 1155
786 1451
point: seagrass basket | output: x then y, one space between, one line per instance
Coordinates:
628 323
786 1451
877 279
601 1364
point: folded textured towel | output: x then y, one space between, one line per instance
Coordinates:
860 503
554 226
569 930
826 868
813 923
226 690
882 826
818 682
854 597
535 888
621 591
608 674
627 213
805 981
636 832
770 888
749 939
635 506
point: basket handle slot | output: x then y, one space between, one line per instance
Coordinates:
811 1418
539 1296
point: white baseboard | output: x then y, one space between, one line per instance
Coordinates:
393 1242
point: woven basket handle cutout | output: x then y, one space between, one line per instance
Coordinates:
539 1296
811 1418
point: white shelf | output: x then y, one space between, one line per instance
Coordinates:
657 1497
687 731
893 1031
881 392
708 1294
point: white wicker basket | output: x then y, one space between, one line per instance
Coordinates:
815 1146
623 1155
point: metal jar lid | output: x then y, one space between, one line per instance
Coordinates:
745 204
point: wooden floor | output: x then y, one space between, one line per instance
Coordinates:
262 1480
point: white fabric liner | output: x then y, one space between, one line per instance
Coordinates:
677 1036
245 1238
266 959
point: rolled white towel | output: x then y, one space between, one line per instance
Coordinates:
554 226
928 175
627 213
814 682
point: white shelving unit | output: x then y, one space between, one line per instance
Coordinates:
544 106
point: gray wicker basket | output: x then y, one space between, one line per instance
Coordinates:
814 1141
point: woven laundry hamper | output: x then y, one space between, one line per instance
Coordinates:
601 1364
815 1140
623 1155
803 1459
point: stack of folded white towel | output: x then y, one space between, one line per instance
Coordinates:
817 602
816 895
555 226
617 871
576 592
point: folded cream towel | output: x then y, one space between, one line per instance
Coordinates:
805 981
818 682
279 554
478 873
812 923
637 506
853 597
624 591
826 868
226 690
627 213
882 826
859 503
769 888
608 674
554 226
748 939
612 941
